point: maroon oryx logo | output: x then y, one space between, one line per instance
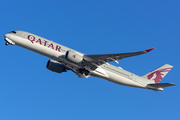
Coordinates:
159 74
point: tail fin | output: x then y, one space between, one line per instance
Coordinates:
157 75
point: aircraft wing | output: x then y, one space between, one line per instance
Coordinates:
104 58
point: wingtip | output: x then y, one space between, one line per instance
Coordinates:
148 50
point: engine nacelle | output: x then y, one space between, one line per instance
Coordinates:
74 57
55 66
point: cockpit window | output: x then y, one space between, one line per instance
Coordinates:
13 32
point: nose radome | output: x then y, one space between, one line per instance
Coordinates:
6 35
8 40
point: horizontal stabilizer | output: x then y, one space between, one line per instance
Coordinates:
161 85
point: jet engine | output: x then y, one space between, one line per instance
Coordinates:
74 57
55 66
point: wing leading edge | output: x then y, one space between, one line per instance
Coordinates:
105 58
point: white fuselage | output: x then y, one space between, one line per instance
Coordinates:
57 52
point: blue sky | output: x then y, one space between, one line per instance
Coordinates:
28 91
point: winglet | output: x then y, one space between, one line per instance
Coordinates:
148 50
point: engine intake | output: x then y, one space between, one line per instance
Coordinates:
55 66
74 57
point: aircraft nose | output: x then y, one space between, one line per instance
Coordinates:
8 40
6 35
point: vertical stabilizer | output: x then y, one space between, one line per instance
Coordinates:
157 75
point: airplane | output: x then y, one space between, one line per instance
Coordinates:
64 58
